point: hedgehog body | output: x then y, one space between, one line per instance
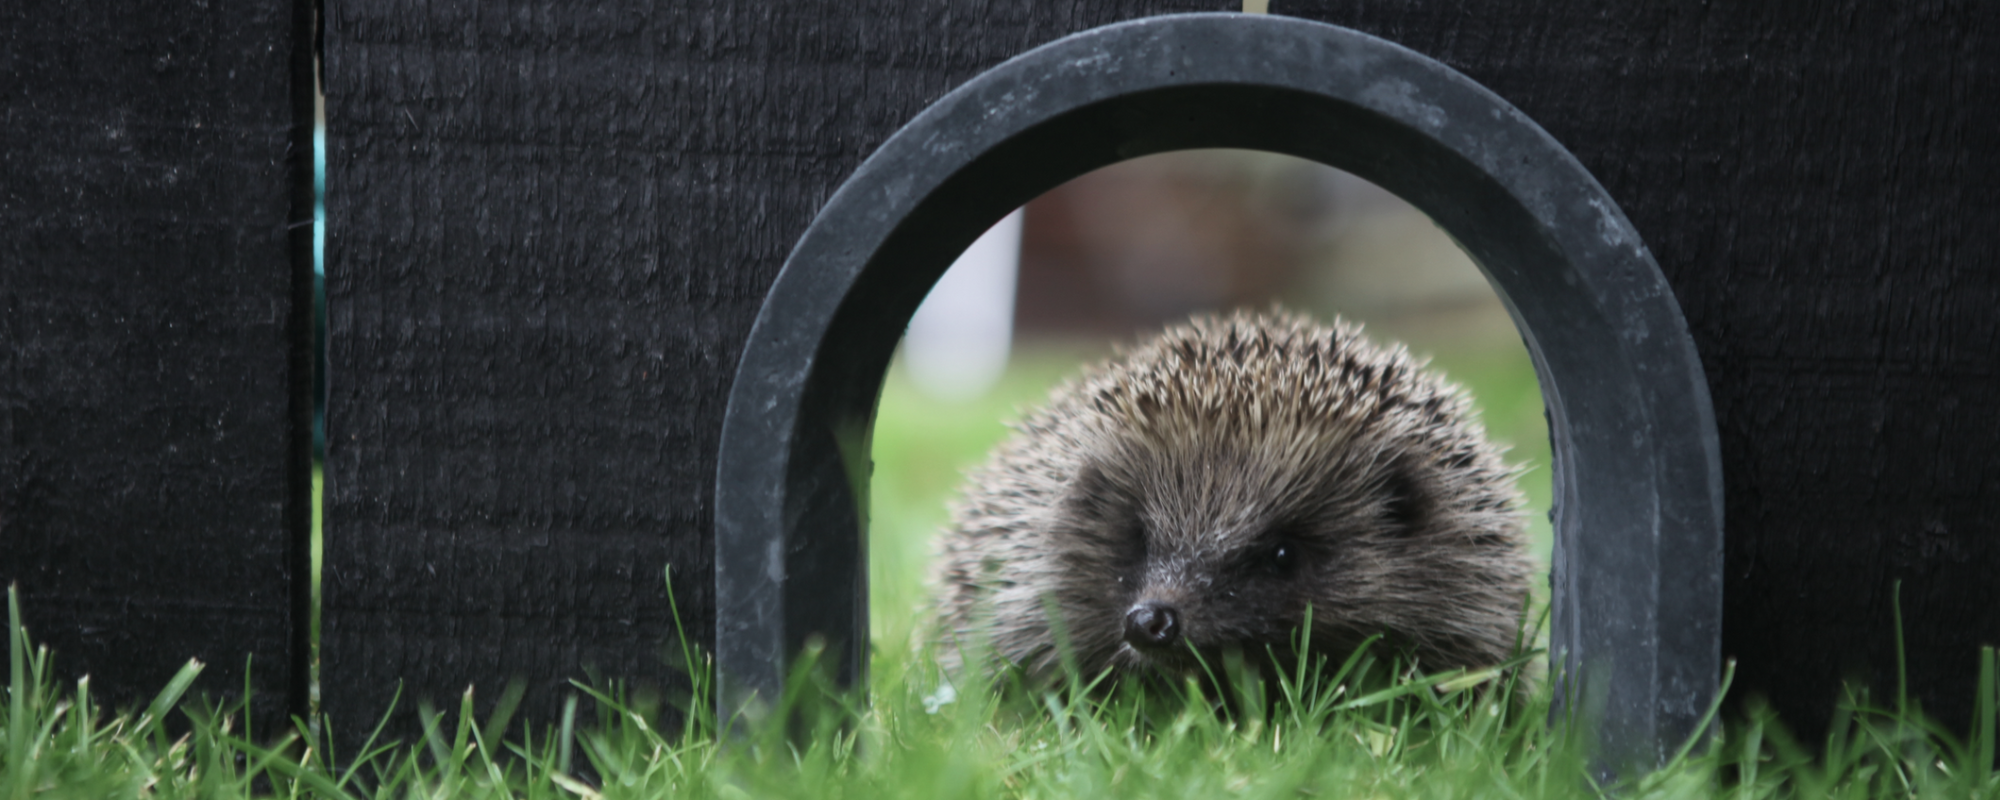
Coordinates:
1200 491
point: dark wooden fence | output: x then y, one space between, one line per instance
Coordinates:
550 226
155 361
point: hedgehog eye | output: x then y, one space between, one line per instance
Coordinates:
1282 555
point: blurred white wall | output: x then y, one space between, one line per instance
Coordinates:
957 344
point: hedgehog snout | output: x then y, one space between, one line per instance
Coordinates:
1152 625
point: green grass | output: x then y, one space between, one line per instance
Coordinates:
1360 730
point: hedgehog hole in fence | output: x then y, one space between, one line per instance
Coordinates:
1634 586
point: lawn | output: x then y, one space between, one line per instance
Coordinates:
1362 729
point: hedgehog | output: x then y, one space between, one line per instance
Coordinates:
1214 488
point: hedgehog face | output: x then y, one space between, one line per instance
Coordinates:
1213 546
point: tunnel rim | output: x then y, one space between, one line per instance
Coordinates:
1636 603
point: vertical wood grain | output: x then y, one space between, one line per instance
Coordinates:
550 229
154 334
1821 185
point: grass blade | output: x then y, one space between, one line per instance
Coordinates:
1982 736
18 721
170 697
565 740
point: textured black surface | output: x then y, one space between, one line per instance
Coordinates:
153 400
1821 185
1638 525
549 230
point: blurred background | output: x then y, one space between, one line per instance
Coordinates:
1125 250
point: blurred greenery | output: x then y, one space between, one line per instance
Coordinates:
924 447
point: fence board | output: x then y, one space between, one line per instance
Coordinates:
550 229
154 333
1817 181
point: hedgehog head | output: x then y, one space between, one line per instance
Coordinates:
1200 493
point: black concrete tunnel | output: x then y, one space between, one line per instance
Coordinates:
1636 578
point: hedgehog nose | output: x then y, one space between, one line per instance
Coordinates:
1152 625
